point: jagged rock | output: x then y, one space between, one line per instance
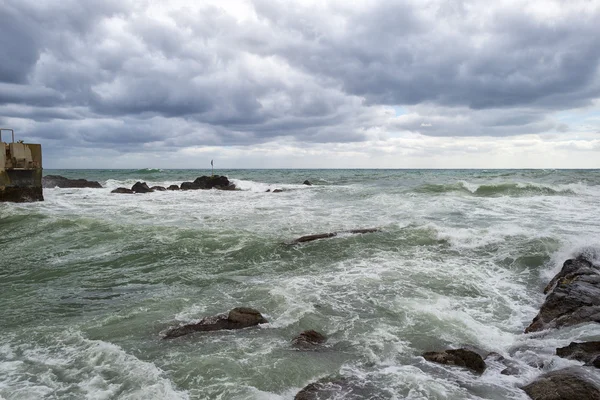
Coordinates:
309 339
123 190
238 318
459 357
173 187
573 297
52 181
310 238
564 384
307 182
588 352
341 388
158 188
141 187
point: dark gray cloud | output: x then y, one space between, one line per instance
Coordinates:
113 73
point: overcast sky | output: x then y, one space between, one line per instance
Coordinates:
314 84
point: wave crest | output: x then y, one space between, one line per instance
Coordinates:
495 190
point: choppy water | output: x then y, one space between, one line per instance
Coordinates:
89 280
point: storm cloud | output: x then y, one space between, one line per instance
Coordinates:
146 77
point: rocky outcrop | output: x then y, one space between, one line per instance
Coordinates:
588 352
307 182
209 182
459 357
310 238
123 190
52 181
173 187
564 384
188 186
158 188
238 318
309 340
141 187
573 297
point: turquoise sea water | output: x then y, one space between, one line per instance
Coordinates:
89 281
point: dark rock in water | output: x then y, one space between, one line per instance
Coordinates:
587 352
158 188
173 187
267 191
216 181
229 187
341 388
574 297
51 181
189 186
307 182
238 318
277 190
123 190
459 357
309 339
564 384
141 187
310 238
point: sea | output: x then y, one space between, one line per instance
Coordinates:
90 281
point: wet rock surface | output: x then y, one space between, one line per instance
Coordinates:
573 297
238 318
588 352
310 238
564 384
309 340
341 388
459 357
307 182
141 187
52 181
123 191
173 187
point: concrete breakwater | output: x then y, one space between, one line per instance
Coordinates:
20 172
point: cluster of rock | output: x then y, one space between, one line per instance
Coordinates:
204 182
52 181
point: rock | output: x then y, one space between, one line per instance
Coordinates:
310 238
229 187
573 297
307 182
459 357
52 181
216 181
277 190
341 388
189 186
238 318
588 352
309 339
123 190
173 187
564 384
267 191
141 187
158 188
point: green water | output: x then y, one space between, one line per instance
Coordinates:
91 280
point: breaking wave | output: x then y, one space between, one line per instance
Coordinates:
495 190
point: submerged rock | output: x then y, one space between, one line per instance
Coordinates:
573 297
307 182
123 190
141 187
158 188
588 352
52 181
341 388
173 187
277 190
310 238
564 384
238 318
309 339
459 357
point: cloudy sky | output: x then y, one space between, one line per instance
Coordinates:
315 84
